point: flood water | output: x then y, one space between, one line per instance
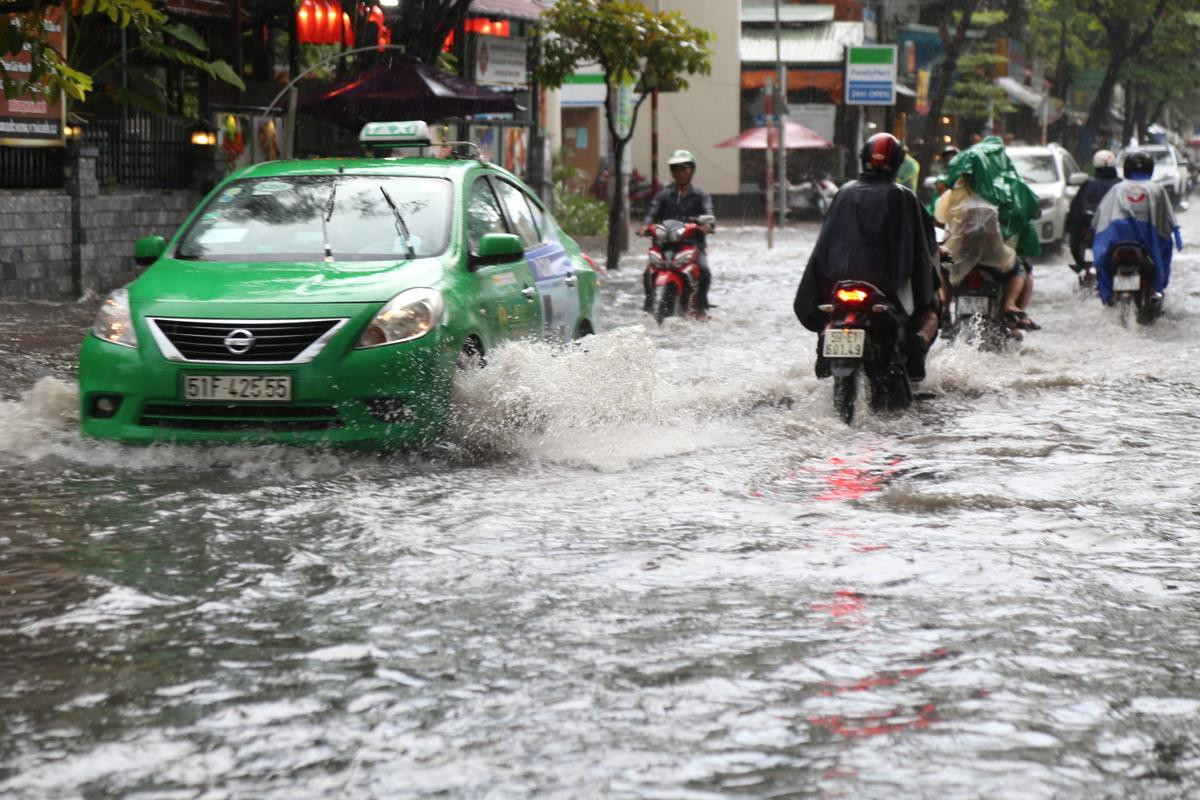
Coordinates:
654 567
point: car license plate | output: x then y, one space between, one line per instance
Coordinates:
844 343
973 304
258 388
1127 283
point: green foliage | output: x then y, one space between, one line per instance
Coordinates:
974 95
580 215
78 72
630 43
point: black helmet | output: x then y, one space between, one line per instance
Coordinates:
882 153
1138 162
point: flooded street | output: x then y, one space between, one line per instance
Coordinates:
657 566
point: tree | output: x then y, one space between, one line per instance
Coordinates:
1128 27
423 26
53 72
635 48
954 46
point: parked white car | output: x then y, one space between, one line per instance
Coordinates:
1055 178
1170 170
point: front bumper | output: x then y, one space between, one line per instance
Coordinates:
390 396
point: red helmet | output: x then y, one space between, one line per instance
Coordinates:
882 153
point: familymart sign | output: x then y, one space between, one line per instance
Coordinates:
871 75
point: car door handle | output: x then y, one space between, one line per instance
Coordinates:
571 279
529 292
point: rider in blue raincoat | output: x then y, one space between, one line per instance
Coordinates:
1137 210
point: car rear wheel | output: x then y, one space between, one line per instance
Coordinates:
471 356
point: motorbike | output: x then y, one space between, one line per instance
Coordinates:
975 310
673 263
864 340
1133 284
811 195
1085 269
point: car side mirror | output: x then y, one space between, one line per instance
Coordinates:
1077 179
497 248
149 249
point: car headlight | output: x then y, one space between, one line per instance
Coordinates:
407 316
113 322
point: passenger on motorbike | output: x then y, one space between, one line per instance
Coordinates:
876 231
1083 206
684 202
1136 210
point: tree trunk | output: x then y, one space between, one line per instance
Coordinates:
616 225
953 49
1140 121
1098 113
1062 86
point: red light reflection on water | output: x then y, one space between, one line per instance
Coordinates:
892 721
847 605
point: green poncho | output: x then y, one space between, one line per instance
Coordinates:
993 177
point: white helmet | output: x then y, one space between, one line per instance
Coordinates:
1104 158
682 157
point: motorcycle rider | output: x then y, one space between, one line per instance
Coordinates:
1083 206
682 201
1136 210
876 231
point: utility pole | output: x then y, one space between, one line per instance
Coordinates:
781 78
654 131
769 94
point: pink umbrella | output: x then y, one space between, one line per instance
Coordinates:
797 137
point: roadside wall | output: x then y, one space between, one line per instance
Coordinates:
61 245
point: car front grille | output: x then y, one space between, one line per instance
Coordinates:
235 417
229 341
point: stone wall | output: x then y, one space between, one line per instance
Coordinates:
61 245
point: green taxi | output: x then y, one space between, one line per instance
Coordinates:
330 301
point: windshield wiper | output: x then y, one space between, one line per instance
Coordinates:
325 221
401 228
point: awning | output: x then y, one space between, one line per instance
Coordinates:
403 88
797 137
1020 92
826 80
513 9
788 13
817 44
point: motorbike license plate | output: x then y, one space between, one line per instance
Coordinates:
258 388
973 304
1127 283
844 343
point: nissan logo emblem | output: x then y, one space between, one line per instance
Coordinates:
239 341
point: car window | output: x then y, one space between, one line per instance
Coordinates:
518 211
1163 158
483 214
286 219
1070 164
1036 168
539 217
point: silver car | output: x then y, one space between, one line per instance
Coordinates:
1055 178
1170 170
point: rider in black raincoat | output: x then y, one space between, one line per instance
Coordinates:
877 231
1086 201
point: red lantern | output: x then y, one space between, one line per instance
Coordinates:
305 21
333 22
347 30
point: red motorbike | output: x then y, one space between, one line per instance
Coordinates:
674 267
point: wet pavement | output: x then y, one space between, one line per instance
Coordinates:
655 567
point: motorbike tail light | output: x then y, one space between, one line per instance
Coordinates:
974 279
852 297
591 263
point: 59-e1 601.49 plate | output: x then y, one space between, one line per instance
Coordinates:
844 343
258 388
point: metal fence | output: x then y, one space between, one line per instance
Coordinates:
141 151
31 167
136 150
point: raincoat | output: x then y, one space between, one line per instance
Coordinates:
1136 210
874 231
991 175
973 234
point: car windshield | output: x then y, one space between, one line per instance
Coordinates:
1162 157
283 219
1036 168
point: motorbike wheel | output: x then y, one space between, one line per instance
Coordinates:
666 303
845 390
1126 306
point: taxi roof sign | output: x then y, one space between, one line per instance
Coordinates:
414 133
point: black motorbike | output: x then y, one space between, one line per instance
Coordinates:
864 340
975 312
1133 292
